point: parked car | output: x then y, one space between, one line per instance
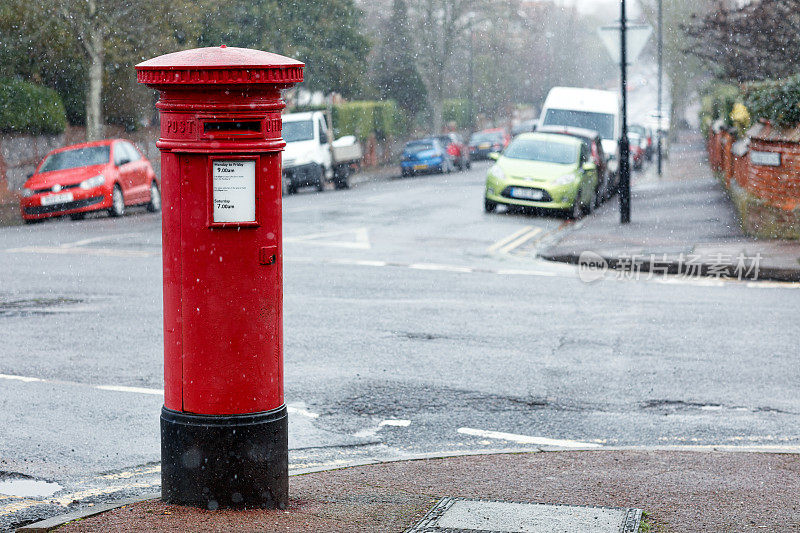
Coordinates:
607 183
592 109
74 180
457 150
543 170
636 151
425 155
484 142
526 126
646 139
312 157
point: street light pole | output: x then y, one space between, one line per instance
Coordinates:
660 76
624 147
469 101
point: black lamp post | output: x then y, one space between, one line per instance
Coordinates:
660 77
624 146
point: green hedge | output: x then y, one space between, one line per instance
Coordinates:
717 103
29 108
775 100
363 118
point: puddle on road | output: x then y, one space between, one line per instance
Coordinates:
26 487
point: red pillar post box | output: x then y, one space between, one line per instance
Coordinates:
224 428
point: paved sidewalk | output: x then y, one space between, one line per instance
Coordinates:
682 223
678 491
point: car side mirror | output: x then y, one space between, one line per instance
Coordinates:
589 166
323 138
30 176
494 155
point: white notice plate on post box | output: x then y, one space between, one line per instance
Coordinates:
234 190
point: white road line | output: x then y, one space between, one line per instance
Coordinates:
400 423
512 272
99 239
361 241
122 388
520 241
108 252
442 268
19 378
525 439
508 239
292 409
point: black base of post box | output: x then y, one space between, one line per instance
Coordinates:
223 461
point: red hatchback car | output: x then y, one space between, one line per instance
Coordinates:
75 180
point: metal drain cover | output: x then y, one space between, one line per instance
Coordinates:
457 515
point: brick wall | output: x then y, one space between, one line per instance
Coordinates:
767 197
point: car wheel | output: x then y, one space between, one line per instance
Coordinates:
154 205
117 208
32 220
589 206
577 208
489 206
321 179
77 216
340 180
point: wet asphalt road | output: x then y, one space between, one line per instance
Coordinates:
414 323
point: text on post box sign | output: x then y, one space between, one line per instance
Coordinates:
234 191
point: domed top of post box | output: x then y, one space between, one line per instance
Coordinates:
219 65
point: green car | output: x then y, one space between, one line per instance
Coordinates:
544 171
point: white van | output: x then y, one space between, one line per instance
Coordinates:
590 109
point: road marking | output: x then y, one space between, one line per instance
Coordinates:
302 411
506 240
121 388
361 241
107 252
526 439
513 245
439 267
99 239
294 409
19 378
396 423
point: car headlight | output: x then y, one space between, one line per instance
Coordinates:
566 179
91 183
26 192
497 172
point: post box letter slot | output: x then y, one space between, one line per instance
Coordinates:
233 127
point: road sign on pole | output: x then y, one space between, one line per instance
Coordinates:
636 35
624 43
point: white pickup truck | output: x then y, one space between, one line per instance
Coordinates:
311 158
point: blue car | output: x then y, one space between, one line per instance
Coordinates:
425 155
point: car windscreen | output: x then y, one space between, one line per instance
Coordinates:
603 123
542 150
485 137
76 158
298 130
639 130
415 147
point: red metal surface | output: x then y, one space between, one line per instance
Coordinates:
223 295
133 178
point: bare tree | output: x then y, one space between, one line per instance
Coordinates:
439 26
757 41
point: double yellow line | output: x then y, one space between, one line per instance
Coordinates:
515 240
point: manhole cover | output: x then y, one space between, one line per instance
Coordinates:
455 515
